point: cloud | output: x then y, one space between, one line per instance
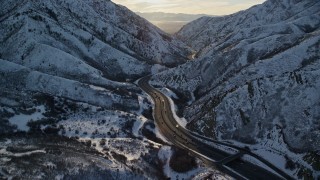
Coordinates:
212 7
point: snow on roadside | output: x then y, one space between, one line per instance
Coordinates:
160 136
155 130
169 94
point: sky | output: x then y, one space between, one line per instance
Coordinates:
210 7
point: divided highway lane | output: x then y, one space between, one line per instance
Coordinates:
180 137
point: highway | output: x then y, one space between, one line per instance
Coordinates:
231 164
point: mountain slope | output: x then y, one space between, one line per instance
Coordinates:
256 78
66 73
248 23
101 34
80 50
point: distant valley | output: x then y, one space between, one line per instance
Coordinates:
170 22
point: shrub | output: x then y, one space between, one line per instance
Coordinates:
181 161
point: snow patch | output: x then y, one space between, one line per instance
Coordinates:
59 177
138 125
21 120
4 152
97 88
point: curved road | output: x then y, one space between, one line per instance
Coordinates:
228 163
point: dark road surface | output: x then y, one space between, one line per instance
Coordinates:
228 163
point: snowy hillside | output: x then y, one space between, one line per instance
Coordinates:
208 32
85 51
66 91
97 37
256 78
19 78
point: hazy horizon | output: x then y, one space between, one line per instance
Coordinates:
170 22
193 7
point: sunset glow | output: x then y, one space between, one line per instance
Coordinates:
210 7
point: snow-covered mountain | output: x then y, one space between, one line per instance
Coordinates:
256 78
209 32
96 37
79 50
63 63
67 48
64 72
